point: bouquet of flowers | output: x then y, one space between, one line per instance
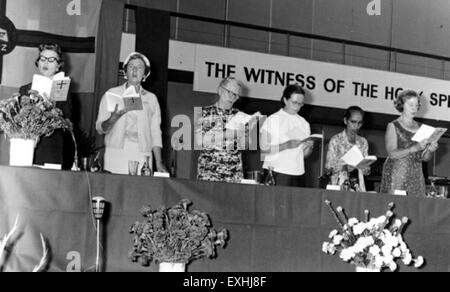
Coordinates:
174 235
375 243
30 117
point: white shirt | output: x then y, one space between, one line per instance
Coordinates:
146 123
278 129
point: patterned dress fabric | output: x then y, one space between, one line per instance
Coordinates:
339 145
404 173
220 159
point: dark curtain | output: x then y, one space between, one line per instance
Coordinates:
152 40
109 38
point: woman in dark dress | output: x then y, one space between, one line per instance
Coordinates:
58 148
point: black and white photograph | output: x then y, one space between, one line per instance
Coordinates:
235 138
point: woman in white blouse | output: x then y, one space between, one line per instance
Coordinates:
134 134
281 139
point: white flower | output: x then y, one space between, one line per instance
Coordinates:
397 223
353 222
388 260
378 262
397 253
325 247
419 262
380 220
332 249
375 250
347 254
386 250
333 233
393 266
359 228
407 259
338 239
403 246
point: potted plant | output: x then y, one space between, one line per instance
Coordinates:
174 237
371 245
24 119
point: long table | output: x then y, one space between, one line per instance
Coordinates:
271 228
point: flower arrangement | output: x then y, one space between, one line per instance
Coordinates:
30 117
375 243
174 235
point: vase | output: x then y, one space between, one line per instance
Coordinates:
367 269
21 152
172 267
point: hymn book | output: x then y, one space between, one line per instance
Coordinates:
239 120
313 137
428 132
355 158
129 100
56 88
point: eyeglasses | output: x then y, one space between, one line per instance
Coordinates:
48 59
235 95
356 122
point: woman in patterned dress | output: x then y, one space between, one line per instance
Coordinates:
220 159
341 143
402 169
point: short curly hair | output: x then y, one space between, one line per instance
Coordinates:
404 96
51 47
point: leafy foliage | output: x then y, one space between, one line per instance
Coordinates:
30 117
174 235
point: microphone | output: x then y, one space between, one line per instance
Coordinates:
98 209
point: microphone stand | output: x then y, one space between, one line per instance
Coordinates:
98 206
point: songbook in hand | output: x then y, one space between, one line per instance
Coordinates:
313 137
428 132
239 120
355 158
130 100
56 88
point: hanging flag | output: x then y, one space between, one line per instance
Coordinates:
24 24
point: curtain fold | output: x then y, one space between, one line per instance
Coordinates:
108 54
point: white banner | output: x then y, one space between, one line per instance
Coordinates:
331 85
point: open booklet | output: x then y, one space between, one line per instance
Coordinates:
428 132
56 88
295 133
130 100
241 119
313 137
355 158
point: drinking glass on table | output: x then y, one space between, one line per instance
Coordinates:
133 167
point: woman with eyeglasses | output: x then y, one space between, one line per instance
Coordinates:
341 143
58 148
131 134
220 159
281 140
402 170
